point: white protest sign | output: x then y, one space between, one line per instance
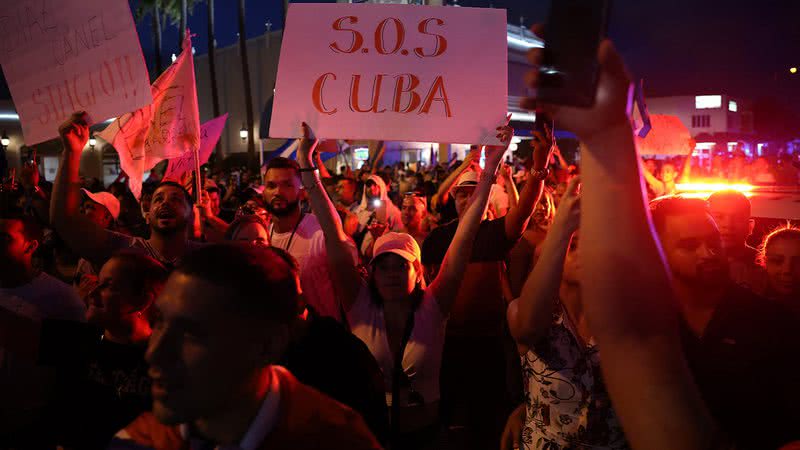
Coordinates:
392 72
61 56
209 135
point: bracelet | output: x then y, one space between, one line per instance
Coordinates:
539 175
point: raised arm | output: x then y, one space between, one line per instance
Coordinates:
378 157
323 171
655 184
530 316
507 172
517 218
440 198
686 172
628 300
346 277
447 282
82 235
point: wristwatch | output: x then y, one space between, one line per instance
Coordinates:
541 174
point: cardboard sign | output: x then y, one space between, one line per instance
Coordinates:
209 135
392 72
71 55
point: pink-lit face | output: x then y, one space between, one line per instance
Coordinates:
783 266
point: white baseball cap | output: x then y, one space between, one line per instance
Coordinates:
400 244
106 199
467 179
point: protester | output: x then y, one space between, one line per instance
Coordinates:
212 362
730 335
566 404
643 366
250 228
476 329
415 217
400 319
300 234
102 374
780 255
376 210
102 209
169 216
731 212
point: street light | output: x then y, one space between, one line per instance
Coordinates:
4 140
243 134
92 141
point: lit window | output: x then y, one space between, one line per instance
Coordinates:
732 106
708 101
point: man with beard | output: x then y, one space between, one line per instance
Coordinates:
740 347
299 235
169 215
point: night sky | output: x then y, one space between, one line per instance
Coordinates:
742 48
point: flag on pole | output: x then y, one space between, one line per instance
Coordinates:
209 135
167 128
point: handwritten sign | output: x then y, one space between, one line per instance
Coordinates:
167 128
70 55
393 72
209 135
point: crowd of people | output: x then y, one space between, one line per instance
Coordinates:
531 303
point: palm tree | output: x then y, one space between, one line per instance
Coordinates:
184 13
153 9
248 98
212 50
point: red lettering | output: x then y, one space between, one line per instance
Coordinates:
399 90
357 39
441 42
437 87
121 77
376 92
110 78
316 94
399 36
44 118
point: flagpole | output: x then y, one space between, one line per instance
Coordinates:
198 233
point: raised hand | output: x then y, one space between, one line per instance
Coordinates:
307 146
610 105
569 211
75 131
29 178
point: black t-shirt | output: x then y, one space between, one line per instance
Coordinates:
491 243
330 359
102 385
746 366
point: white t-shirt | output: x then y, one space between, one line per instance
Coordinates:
307 246
52 298
422 359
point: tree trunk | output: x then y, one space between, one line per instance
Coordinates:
184 14
212 66
248 98
157 38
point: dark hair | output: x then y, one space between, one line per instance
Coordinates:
675 205
259 282
242 221
732 196
784 232
283 163
30 226
146 275
189 198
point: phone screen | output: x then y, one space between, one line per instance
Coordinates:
569 69
482 161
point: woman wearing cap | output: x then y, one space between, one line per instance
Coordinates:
394 312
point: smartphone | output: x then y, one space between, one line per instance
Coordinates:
482 160
569 69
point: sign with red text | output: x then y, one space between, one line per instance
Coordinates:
392 72
209 136
71 55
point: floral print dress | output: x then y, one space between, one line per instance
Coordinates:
567 406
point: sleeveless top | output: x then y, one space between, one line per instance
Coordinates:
567 406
